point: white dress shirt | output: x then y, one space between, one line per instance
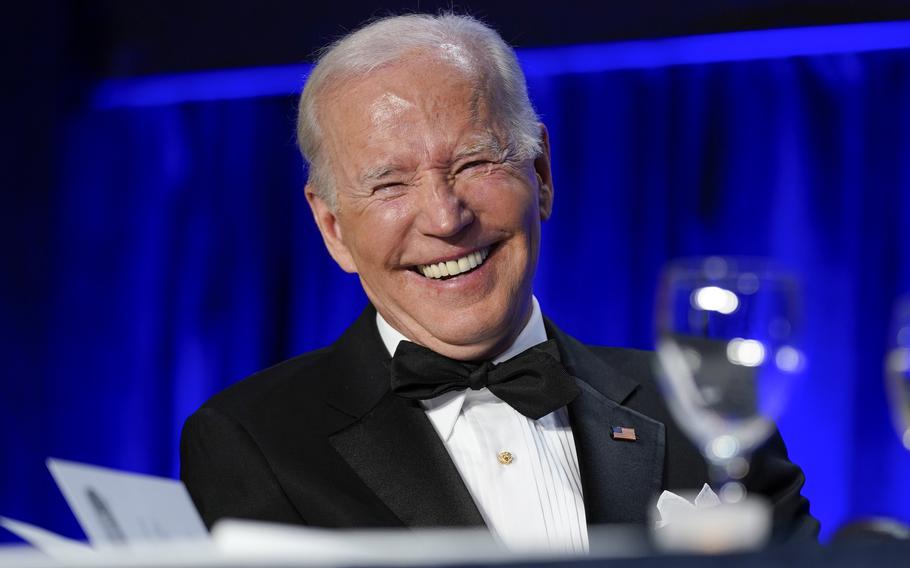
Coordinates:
533 502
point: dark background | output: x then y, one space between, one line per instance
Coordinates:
126 39
153 254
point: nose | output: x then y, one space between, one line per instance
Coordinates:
443 213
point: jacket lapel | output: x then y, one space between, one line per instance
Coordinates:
388 441
620 478
392 446
396 452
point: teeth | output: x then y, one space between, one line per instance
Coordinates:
455 267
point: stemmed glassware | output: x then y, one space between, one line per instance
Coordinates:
728 353
897 369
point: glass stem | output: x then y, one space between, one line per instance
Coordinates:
727 486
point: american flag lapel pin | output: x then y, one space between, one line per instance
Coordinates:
623 433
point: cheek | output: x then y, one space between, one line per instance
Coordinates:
393 213
381 231
505 204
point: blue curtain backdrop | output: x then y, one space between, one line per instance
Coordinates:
180 255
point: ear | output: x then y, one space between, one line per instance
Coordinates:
544 175
330 228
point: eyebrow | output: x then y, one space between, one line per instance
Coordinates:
378 173
489 143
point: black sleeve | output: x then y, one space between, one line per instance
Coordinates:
773 475
227 475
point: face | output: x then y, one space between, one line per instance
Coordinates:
435 213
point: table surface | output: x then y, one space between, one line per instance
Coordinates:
884 554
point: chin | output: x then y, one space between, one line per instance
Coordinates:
474 334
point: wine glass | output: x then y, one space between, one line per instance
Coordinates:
897 369
727 352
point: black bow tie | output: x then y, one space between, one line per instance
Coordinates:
533 382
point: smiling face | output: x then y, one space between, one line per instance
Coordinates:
435 212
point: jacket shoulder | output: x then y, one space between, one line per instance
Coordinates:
637 365
301 376
635 362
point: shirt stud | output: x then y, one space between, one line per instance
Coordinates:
504 457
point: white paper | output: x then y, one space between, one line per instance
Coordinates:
52 544
118 508
249 540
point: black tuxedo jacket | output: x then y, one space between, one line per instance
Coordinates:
320 440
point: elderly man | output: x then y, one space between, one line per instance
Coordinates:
429 178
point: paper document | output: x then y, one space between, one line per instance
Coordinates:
115 507
52 544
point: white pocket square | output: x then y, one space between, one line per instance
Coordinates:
673 507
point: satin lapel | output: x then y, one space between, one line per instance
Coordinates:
388 441
396 452
620 479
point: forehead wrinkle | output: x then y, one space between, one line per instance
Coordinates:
390 111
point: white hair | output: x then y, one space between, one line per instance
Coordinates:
456 39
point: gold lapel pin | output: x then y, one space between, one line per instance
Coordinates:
504 457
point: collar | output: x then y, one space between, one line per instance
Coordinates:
443 411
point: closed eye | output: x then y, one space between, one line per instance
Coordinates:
473 164
386 186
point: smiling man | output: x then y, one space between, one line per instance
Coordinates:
436 204
451 400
